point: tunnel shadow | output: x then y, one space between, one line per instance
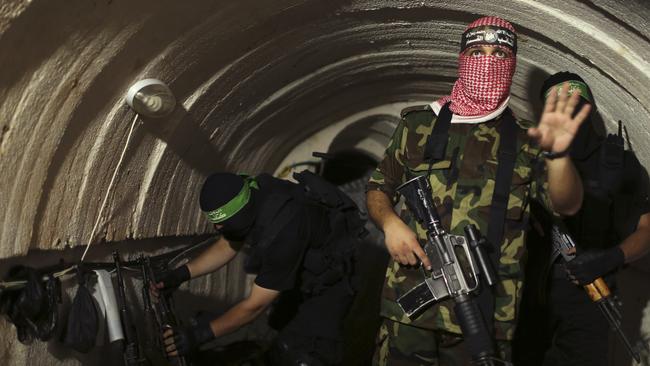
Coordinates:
187 139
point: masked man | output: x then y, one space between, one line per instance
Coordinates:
470 145
301 248
563 326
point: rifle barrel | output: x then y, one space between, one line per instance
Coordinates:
616 326
131 351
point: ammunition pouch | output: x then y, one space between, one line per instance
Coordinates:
334 260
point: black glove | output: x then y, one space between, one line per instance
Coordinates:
174 278
591 264
188 340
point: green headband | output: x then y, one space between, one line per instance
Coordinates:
233 206
581 87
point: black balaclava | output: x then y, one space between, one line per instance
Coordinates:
220 188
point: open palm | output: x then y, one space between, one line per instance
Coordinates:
558 126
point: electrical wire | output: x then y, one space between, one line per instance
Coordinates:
110 185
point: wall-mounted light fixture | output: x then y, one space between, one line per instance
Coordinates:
151 98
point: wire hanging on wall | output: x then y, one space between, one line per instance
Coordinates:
110 186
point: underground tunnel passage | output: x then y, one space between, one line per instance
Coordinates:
259 86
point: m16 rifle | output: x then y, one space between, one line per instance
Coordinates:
455 273
598 290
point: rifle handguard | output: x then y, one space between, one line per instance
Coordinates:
598 290
478 340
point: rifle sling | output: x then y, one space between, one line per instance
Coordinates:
506 155
436 146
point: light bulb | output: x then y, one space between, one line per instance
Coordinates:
151 98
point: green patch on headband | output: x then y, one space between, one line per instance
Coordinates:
581 87
233 206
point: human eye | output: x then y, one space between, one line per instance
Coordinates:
475 53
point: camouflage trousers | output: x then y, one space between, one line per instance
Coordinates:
401 345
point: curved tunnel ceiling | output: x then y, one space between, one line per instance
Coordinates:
253 79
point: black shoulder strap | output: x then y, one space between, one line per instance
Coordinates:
506 156
435 151
437 141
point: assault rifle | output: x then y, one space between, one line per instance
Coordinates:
454 274
154 348
160 313
598 291
130 342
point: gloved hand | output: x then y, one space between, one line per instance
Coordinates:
182 341
169 281
591 264
174 278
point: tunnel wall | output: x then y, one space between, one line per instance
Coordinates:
253 79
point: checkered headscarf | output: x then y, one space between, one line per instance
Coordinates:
483 82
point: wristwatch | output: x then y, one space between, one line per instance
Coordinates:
554 155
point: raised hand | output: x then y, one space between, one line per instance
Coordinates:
557 126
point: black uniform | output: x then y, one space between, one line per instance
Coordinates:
559 324
302 243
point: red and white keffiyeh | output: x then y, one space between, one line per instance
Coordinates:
483 82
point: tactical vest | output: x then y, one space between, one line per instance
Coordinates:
325 262
605 217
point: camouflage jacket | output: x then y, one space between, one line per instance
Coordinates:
462 186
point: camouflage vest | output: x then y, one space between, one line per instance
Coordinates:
462 186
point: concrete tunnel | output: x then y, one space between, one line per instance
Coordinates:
259 86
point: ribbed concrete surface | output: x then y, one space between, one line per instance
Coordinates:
253 79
